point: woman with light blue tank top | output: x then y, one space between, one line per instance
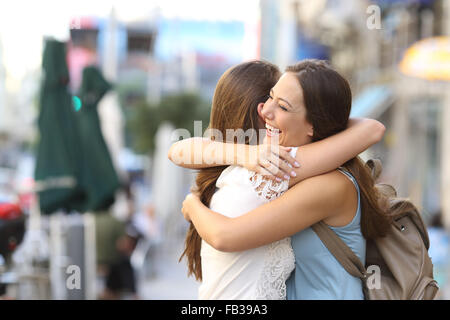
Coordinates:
318 275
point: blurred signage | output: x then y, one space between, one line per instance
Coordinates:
428 59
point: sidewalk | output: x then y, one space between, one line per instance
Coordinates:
169 280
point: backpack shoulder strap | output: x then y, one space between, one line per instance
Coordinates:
343 254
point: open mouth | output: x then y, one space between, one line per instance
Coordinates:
272 131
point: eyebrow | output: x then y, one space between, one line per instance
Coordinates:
272 93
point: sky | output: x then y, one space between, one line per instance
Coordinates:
23 23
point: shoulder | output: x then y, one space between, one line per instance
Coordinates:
333 186
333 181
316 198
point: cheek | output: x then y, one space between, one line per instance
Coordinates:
295 130
293 125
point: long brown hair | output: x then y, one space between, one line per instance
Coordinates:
237 95
328 100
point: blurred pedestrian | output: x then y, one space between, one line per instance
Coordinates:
116 241
121 278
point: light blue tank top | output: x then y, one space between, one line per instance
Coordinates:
318 275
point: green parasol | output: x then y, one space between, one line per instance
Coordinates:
56 168
98 177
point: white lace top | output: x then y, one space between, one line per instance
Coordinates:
258 273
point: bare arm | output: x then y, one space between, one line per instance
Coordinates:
308 202
314 158
183 153
197 153
328 154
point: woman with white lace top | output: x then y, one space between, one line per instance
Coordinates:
254 177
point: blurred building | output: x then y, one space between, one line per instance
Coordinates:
17 115
156 56
193 54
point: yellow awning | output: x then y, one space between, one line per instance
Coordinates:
428 59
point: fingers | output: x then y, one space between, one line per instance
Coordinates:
271 163
285 169
269 157
284 154
271 168
274 161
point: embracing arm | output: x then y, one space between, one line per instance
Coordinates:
315 158
308 202
198 152
328 154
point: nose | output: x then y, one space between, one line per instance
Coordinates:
267 110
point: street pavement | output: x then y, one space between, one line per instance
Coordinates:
168 278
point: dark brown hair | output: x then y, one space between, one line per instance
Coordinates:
237 95
328 100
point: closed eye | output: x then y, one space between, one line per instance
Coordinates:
282 107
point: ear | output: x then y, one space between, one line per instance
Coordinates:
310 130
260 107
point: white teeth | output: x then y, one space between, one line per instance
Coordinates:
272 129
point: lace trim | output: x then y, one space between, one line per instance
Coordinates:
266 188
278 264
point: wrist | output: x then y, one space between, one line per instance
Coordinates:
191 207
195 208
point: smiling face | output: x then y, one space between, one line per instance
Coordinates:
284 113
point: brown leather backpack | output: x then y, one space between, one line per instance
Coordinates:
398 266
